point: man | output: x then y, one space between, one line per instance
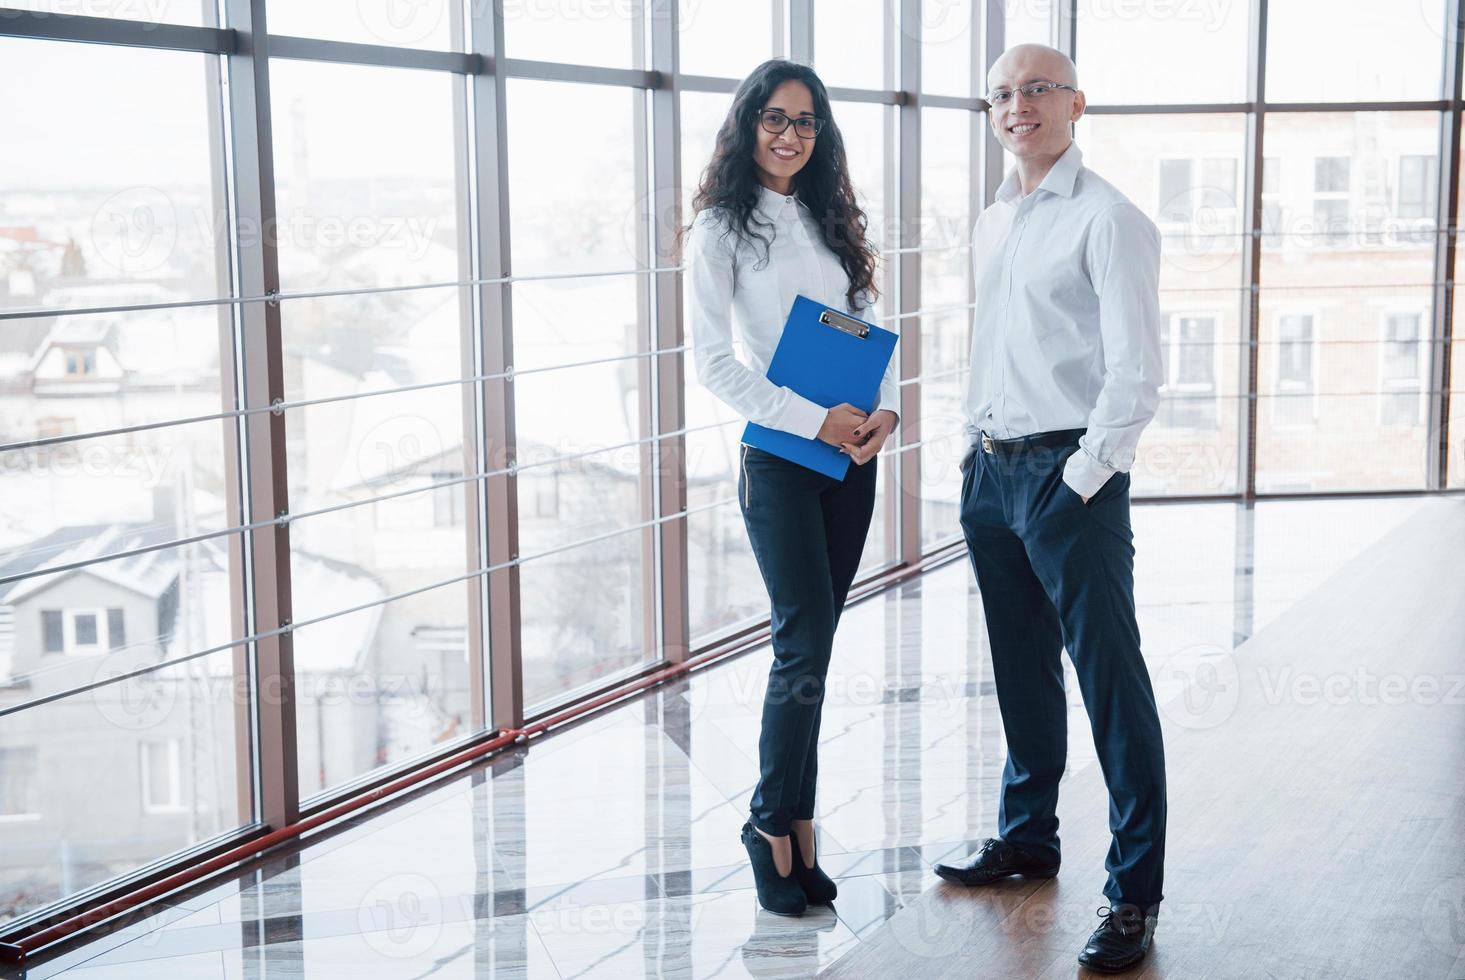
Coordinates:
1065 372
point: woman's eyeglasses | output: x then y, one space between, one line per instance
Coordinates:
1032 90
805 127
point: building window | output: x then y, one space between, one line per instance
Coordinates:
1201 191
1189 351
162 776
544 495
1416 187
1330 185
81 363
1296 362
1272 232
53 636
116 631
84 637
447 502
19 769
79 630
1402 371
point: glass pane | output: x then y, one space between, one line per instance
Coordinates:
850 39
194 13
57 759
724 37
568 646
947 32
383 684
567 413
1354 50
702 116
396 674
1170 53
724 585
941 488
160 484
866 130
1341 276
575 33
1455 463
1030 21
572 211
364 168
946 180
141 229
420 24
1184 171
565 321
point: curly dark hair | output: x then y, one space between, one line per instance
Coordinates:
729 181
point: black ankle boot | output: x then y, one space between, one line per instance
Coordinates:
819 888
779 894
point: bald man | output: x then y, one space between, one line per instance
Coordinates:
1065 373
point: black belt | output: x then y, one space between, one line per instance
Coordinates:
1056 439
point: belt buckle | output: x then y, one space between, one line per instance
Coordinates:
987 444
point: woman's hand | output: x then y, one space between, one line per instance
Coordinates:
869 436
841 425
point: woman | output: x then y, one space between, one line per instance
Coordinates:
775 216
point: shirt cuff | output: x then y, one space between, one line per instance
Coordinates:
1085 475
801 416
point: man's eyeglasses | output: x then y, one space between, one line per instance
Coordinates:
805 127
1032 90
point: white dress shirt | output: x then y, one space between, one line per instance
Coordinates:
798 262
1066 330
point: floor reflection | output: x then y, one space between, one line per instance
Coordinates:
611 848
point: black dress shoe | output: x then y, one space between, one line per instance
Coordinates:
1121 940
994 860
819 888
779 894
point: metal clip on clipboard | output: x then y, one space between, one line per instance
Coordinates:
851 326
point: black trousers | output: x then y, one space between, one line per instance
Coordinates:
1057 573
808 532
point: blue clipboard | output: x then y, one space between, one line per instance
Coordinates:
829 357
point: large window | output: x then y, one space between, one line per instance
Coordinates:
1343 278
347 412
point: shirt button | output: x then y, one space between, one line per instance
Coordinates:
789 200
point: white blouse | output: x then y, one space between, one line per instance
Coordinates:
798 262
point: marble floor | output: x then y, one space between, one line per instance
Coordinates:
611 848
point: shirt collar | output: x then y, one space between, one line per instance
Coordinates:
1059 180
771 203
